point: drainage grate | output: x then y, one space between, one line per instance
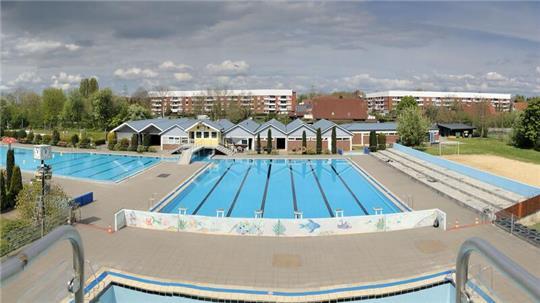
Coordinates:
163 175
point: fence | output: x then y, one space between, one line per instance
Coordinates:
280 227
508 184
17 234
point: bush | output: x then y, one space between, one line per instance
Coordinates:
99 142
56 201
30 137
85 140
4 205
152 149
37 139
46 139
21 133
123 145
55 138
15 185
74 140
111 140
141 149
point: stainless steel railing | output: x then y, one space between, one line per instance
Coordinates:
19 262
522 278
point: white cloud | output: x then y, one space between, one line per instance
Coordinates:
494 76
538 69
135 72
183 76
228 67
362 79
42 46
65 81
26 78
169 65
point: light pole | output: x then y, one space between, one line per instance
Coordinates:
43 174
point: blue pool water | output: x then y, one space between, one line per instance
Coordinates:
99 167
444 293
317 188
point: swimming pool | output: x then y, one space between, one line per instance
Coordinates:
280 187
94 166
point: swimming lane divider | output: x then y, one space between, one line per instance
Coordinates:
263 202
238 191
212 189
349 189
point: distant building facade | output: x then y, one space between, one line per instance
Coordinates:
336 108
258 101
385 101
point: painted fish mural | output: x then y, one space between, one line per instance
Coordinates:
311 226
342 224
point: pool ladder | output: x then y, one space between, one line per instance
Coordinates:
522 278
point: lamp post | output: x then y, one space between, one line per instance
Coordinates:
43 174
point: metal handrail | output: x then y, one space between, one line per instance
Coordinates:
522 278
19 262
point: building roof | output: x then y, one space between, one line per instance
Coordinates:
274 123
225 123
163 124
236 92
248 124
366 126
455 126
424 94
338 108
323 124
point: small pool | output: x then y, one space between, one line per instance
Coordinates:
93 166
444 293
281 187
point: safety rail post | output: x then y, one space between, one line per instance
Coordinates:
19 262
522 278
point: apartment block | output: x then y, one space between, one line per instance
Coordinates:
385 101
259 101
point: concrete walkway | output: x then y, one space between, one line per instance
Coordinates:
257 262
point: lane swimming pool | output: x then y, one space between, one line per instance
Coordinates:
97 167
281 187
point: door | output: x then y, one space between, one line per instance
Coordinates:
250 144
280 144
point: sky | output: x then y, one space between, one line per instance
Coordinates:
304 46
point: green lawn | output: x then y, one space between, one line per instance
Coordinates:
536 226
491 146
66 134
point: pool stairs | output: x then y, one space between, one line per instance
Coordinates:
187 154
479 196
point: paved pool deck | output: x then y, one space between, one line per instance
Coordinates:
262 262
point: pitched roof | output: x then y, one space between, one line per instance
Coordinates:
274 123
338 108
297 123
225 123
324 125
454 126
249 125
366 126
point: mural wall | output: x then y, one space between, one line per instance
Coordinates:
283 227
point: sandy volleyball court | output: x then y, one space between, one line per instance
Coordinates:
522 171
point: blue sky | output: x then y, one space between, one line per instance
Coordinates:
321 46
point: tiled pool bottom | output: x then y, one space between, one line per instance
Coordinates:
84 165
442 293
279 188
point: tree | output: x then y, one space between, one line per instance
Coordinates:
15 185
3 197
235 112
381 140
373 141
134 143
10 163
146 140
74 140
334 140
304 142
412 127
93 85
269 141
55 137
526 131
102 104
258 146
318 148
74 109
406 102
84 88
53 103
55 202
111 140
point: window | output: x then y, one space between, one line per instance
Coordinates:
206 134
199 135
214 135
244 141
